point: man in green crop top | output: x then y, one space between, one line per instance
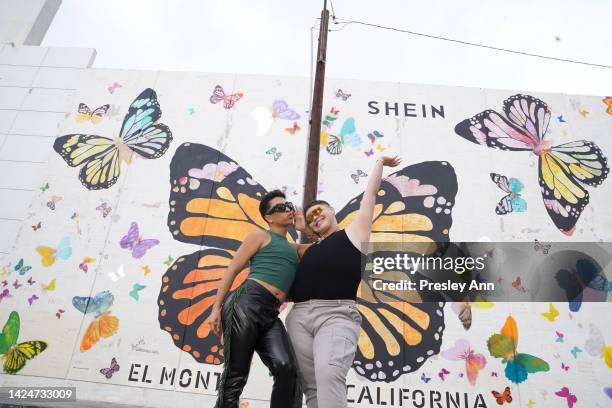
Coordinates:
250 315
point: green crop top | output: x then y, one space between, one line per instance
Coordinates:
275 263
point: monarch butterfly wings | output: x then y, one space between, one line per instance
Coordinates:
214 203
185 302
414 205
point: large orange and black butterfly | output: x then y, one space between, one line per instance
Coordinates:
214 204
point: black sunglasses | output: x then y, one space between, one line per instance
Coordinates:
282 207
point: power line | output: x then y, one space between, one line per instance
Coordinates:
333 13
473 44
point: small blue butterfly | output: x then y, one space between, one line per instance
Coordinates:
424 378
137 287
575 351
560 118
21 267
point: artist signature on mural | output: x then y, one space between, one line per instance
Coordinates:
138 346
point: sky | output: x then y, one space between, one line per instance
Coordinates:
271 37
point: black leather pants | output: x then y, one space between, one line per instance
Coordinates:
251 323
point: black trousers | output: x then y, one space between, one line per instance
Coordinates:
251 323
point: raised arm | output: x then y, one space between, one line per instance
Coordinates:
249 247
358 231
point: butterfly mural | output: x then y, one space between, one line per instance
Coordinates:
293 129
108 372
342 95
608 102
502 397
100 157
48 287
575 350
50 255
357 175
104 324
136 288
464 310
265 116
134 242
16 355
564 170
538 246
86 114
330 118
512 202
275 153
585 281
222 212
105 209
474 362
518 365
114 86
596 345
229 100
552 313
347 137
570 398
21 267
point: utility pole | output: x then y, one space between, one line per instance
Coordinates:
316 113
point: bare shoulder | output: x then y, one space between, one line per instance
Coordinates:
258 236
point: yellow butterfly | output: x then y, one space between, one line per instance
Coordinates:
550 316
380 147
49 287
86 114
4 271
146 270
49 255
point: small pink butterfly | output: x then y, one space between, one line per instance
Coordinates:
115 85
4 283
105 209
229 100
443 372
16 284
32 298
5 294
493 374
369 152
31 281
569 397
564 367
59 312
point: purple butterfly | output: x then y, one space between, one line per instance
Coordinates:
32 299
281 110
134 241
108 372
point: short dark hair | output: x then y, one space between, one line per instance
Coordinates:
263 205
313 203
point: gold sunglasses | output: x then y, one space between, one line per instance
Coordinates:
313 214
